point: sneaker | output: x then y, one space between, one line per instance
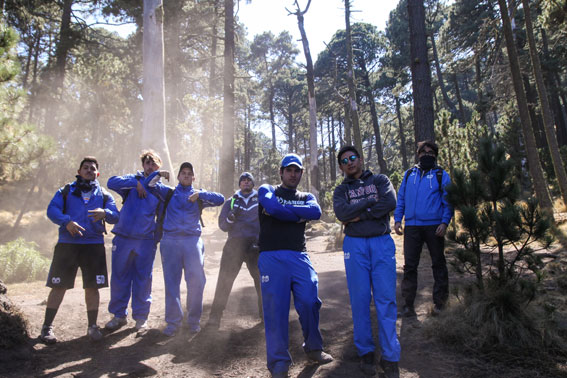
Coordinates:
194 329
170 330
367 364
141 325
319 356
280 374
94 333
47 335
390 368
408 312
213 323
115 323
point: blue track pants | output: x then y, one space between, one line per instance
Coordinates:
132 264
283 272
370 265
177 256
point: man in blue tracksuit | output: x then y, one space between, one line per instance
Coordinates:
80 209
285 267
181 247
133 247
422 201
363 202
238 217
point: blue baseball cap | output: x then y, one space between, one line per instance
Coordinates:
291 159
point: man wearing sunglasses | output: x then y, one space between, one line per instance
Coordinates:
363 202
285 267
422 202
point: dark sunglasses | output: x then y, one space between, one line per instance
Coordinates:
346 160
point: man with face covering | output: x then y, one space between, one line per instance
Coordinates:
422 202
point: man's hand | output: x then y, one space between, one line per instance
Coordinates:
231 216
441 230
398 228
97 214
74 229
164 174
194 197
141 191
353 220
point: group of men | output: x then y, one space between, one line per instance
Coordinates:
266 229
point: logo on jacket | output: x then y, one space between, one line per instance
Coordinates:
347 255
265 279
56 280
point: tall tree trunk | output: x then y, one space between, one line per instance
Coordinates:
558 165
153 91
446 98
247 141
374 115
352 102
227 149
323 152
347 137
313 161
332 157
462 117
420 73
272 115
481 102
536 171
402 134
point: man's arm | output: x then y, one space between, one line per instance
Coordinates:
310 211
271 205
209 198
346 211
155 186
112 213
225 223
55 210
386 198
447 209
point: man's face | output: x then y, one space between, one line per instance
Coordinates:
351 164
291 176
150 167
246 185
426 151
88 171
186 177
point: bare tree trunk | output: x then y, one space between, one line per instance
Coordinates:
536 171
153 92
353 108
446 98
402 135
420 73
347 135
374 115
313 161
332 157
558 165
462 117
227 149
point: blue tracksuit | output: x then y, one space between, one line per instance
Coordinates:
182 249
370 260
285 267
133 248
76 210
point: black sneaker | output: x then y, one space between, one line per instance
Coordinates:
408 312
47 335
390 368
367 364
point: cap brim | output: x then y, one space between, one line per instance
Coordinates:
293 163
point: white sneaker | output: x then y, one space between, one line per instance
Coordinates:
141 324
115 323
94 333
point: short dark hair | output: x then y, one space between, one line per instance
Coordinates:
88 159
427 143
345 149
151 155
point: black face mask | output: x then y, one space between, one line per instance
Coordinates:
426 162
84 185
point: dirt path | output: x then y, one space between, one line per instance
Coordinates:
237 349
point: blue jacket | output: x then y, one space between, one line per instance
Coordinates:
420 199
76 210
245 210
371 198
182 216
138 215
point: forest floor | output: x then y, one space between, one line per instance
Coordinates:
237 349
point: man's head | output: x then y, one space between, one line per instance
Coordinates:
88 170
151 161
246 182
186 176
427 152
291 170
350 162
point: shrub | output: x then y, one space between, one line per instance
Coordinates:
21 261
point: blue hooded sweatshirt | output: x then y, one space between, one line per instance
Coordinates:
245 209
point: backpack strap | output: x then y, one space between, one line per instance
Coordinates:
200 204
65 193
438 173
